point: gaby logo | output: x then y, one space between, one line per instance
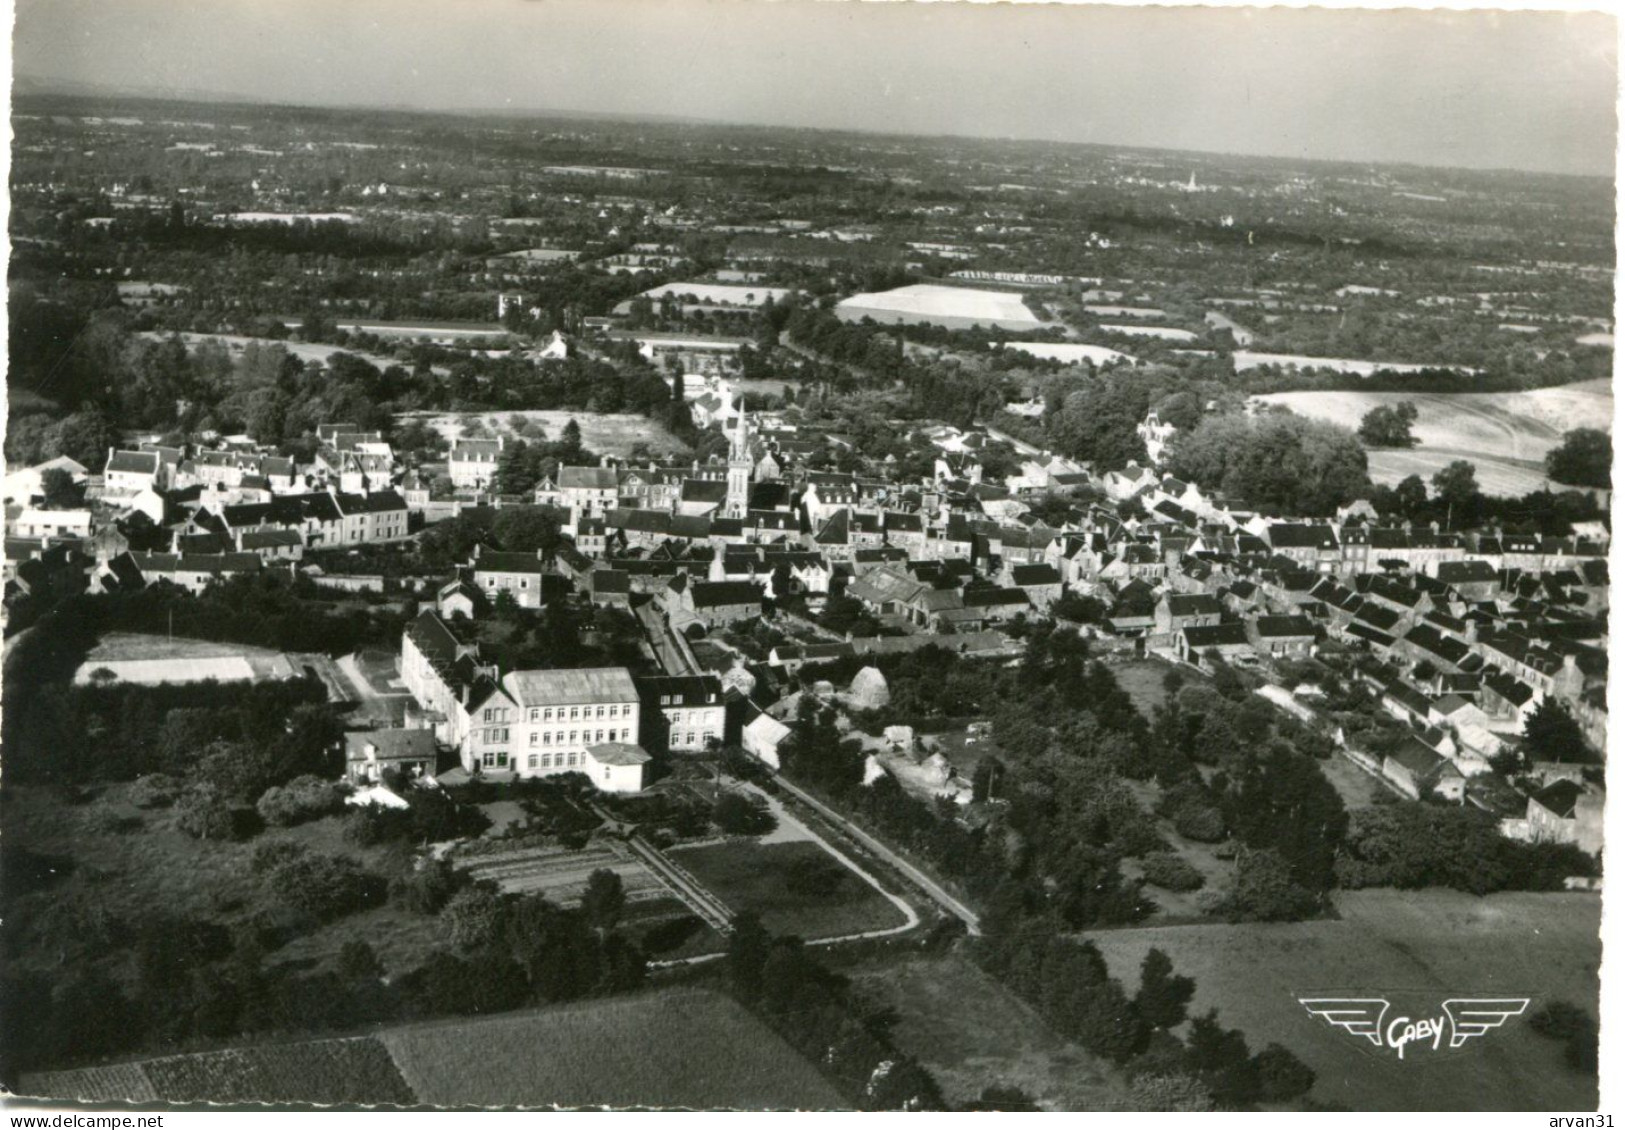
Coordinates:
1459 1020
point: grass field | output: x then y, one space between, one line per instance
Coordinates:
1142 680
603 433
1505 435
1418 948
687 1048
320 1072
758 877
972 1033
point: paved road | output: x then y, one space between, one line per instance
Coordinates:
920 879
667 651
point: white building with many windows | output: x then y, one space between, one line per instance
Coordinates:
538 723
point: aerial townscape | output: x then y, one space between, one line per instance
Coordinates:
523 610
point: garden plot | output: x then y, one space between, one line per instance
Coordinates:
559 874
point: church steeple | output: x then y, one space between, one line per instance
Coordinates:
739 465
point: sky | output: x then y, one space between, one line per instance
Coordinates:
1483 89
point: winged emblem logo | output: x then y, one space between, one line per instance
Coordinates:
1460 1019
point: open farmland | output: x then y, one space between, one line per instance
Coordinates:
1420 947
317 1072
1506 435
1164 333
956 308
1247 359
719 294
607 433
1070 353
682 1048
972 1033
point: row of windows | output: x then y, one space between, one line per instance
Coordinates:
560 760
498 759
561 737
576 713
692 737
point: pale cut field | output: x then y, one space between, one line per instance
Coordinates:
683 1048
603 433
926 301
1505 435
1417 948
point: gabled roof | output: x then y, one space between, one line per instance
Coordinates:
722 594
1284 627
134 462
570 686
1216 635
390 745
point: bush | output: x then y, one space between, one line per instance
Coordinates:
301 799
427 888
205 814
739 815
474 918
1171 873
323 886
268 857
155 790
1201 823
114 823
1571 1024
1263 890
1282 1075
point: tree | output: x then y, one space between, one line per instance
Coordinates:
323 886
1221 1058
737 814
1163 994
1263 890
58 488
85 437
474 918
527 529
1276 460
1386 426
603 900
1411 495
1456 483
205 813
1584 458
358 961
1281 1075
1551 734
